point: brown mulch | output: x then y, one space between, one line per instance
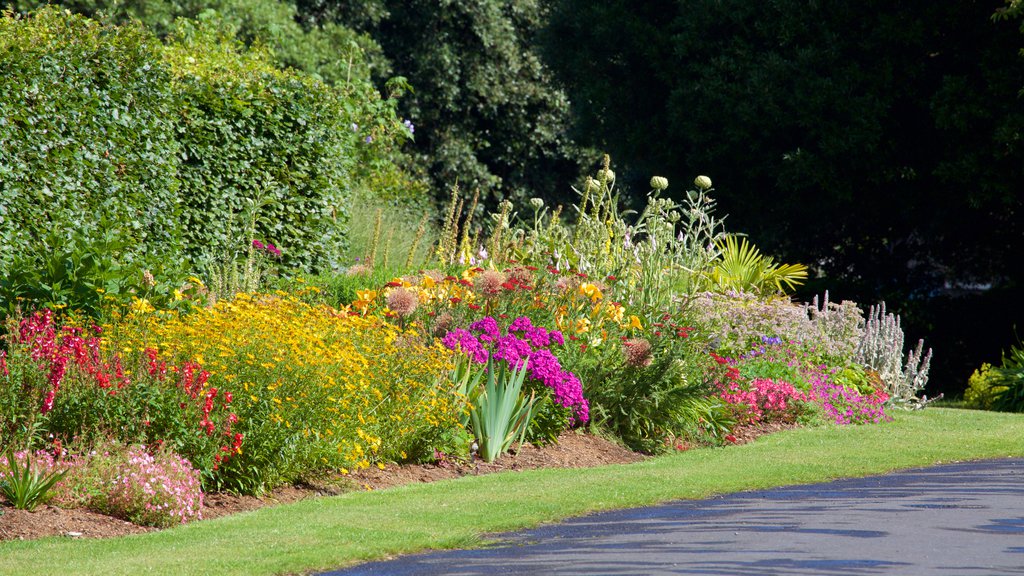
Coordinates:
573 450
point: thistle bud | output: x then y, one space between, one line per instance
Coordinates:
537 203
659 182
702 182
606 175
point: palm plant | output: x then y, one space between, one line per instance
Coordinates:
741 266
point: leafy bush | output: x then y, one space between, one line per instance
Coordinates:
151 489
87 276
738 322
87 139
1009 374
983 387
257 142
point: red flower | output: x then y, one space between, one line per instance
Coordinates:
393 284
473 306
730 438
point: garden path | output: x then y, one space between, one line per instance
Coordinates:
958 519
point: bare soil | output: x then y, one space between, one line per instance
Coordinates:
573 450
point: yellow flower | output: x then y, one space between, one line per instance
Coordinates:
634 322
178 295
615 312
590 291
582 325
366 295
141 306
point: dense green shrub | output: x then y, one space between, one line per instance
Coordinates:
120 155
254 138
87 138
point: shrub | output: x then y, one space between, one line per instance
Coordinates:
1008 381
159 489
737 321
256 139
87 139
983 387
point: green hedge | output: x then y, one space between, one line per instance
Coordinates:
256 137
109 137
87 137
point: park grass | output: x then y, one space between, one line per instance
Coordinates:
332 532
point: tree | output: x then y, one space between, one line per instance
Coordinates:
487 111
882 143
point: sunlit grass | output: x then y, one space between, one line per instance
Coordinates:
331 532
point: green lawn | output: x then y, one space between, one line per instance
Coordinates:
331 532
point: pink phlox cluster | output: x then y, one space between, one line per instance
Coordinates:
763 398
463 340
848 406
157 492
533 345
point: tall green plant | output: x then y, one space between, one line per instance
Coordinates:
25 486
1011 375
499 412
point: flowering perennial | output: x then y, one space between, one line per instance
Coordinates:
523 341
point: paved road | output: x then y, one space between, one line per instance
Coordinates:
958 520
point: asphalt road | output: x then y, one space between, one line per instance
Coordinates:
959 520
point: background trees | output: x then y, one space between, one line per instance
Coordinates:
878 142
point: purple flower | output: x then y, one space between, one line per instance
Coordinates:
512 350
487 327
368 139
257 245
520 324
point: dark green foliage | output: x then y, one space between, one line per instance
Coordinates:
258 143
488 113
87 138
647 406
85 275
1011 376
882 140
332 52
119 155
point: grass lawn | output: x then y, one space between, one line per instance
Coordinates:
332 532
